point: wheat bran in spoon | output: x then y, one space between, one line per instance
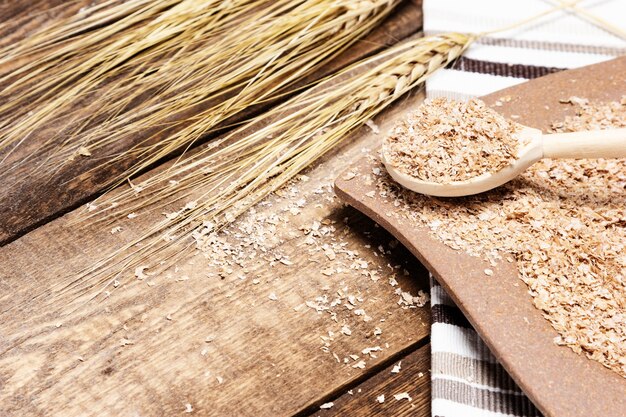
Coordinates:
445 141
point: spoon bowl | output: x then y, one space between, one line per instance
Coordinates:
590 144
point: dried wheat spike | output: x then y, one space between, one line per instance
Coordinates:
226 181
413 66
257 49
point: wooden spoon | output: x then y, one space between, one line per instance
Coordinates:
588 144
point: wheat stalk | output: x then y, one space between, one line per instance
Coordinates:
220 183
264 52
69 65
592 18
299 43
309 117
72 29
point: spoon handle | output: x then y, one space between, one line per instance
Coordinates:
588 144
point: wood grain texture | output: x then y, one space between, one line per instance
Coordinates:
603 144
62 353
28 203
413 378
19 18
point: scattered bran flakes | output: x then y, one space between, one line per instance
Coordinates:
446 141
326 406
564 222
373 126
260 238
402 396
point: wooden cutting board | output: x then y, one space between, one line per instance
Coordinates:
559 382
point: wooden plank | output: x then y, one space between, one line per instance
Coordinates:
29 199
364 399
142 349
19 18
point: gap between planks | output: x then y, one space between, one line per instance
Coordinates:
359 397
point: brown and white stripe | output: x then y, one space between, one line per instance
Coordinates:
466 378
467 381
561 40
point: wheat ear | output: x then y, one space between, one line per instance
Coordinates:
262 54
220 183
68 66
276 53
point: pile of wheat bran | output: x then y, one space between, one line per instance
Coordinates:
445 141
564 222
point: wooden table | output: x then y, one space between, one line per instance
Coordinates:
200 340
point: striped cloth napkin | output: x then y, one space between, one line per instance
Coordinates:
561 40
467 381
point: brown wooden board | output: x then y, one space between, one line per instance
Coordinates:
62 353
560 382
29 199
413 378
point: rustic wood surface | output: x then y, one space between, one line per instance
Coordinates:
363 400
28 199
64 355
18 18
196 338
